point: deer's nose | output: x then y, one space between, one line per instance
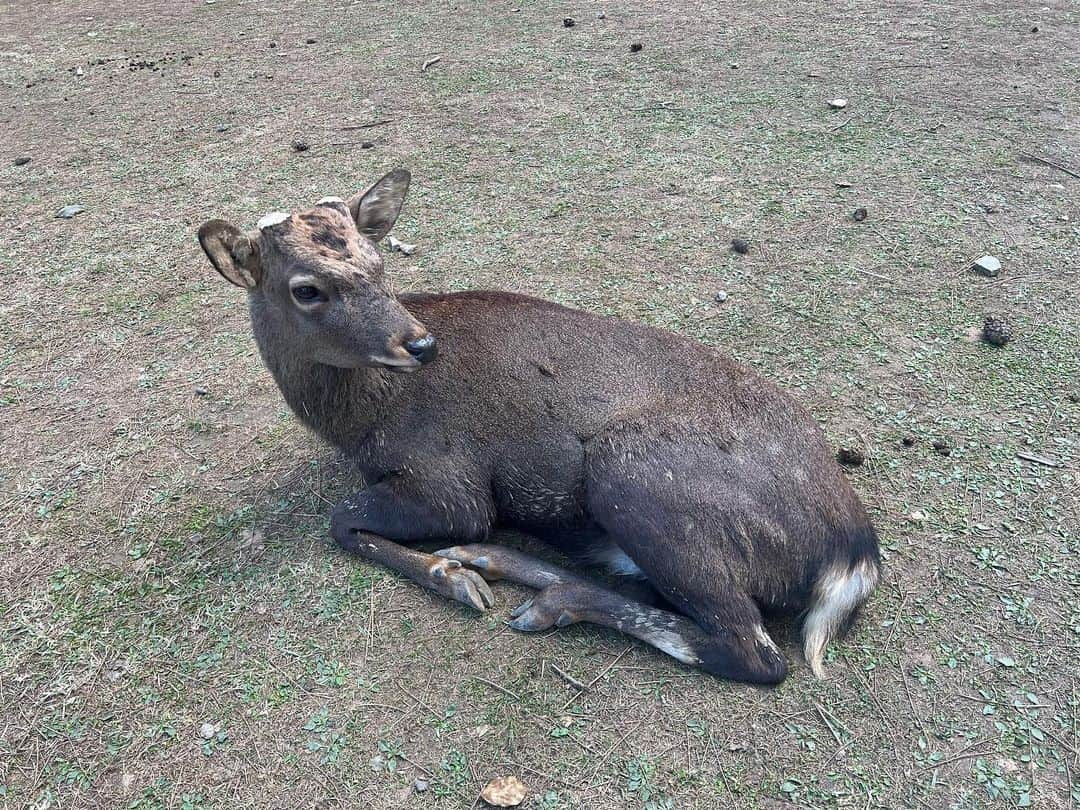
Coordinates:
424 349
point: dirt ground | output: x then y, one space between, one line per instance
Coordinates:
176 629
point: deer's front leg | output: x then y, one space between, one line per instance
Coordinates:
368 524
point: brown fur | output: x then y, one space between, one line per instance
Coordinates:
606 438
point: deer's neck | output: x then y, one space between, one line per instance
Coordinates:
341 405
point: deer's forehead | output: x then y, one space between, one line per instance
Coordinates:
323 238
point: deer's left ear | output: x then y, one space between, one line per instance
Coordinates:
233 254
376 210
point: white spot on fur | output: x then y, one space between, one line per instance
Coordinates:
838 592
325 200
617 561
763 638
272 219
673 644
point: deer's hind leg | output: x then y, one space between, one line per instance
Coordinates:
665 505
565 598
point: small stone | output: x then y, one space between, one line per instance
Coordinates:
222 127
1034 29
201 392
402 247
918 516
734 65
273 44
300 146
988 266
21 161
310 40
941 447
908 441
601 15
720 297
635 47
69 211
859 214
568 22
207 730
838 103
79 71
740 246
996 331
843 184
367 145
504 791
420 785
851 456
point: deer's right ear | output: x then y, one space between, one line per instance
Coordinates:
233 253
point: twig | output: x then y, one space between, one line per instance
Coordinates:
368 125
1051 164
875 275
498 688
570 679
825 718
592 683
1036 459
967 753
429 62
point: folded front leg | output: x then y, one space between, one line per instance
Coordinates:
368 524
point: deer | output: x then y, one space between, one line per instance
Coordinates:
690 478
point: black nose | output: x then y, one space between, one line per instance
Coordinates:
423 349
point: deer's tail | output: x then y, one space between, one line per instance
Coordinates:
840 589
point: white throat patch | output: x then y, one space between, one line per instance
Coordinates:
271 219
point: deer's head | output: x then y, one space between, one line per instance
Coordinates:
316 280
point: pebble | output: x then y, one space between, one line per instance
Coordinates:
988 266
207 730
838 103
367 145
300 146
68 211
918 516
996 331
311 40
720 297
635 47
568 22
908 441
734 65
420 785
850 456
941 447
859 214
601 15
222 127
21 161
740 246
201 392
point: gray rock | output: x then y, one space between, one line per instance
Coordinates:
207 730
987 266
420 785
69 211
838 103
720 297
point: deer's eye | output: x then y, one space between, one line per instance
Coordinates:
306 293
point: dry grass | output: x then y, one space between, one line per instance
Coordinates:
164 557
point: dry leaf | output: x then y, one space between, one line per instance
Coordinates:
504 791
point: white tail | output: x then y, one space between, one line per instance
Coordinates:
838 591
